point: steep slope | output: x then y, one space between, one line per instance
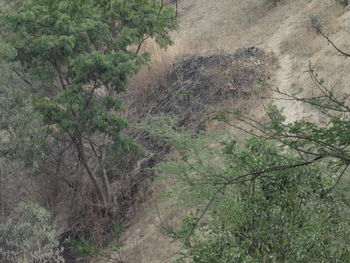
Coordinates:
209 27
284 75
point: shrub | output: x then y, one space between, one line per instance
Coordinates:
259 202
28 237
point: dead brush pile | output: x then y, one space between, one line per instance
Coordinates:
196 85
194 88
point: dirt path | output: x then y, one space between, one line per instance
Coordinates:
284 76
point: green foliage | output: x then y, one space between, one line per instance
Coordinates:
328 140
28 237
283 196
84 47
262 201
21 129
88 249
254 203
84 247
75 57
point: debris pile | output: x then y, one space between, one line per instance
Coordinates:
197 83
193 88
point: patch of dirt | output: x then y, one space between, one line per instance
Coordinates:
284 75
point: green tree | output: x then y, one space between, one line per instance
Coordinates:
254 203
75 57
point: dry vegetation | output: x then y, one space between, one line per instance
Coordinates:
209 30
196 86
220 54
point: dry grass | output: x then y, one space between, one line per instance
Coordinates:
305 42
145 239
308 46
143 88
302 44
206 27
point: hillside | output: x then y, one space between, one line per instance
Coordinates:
212 28
106 156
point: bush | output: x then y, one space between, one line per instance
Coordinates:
259 202
28 237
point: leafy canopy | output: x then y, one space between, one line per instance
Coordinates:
255 202
75 57
74 48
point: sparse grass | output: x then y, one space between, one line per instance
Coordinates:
305 42
248 13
